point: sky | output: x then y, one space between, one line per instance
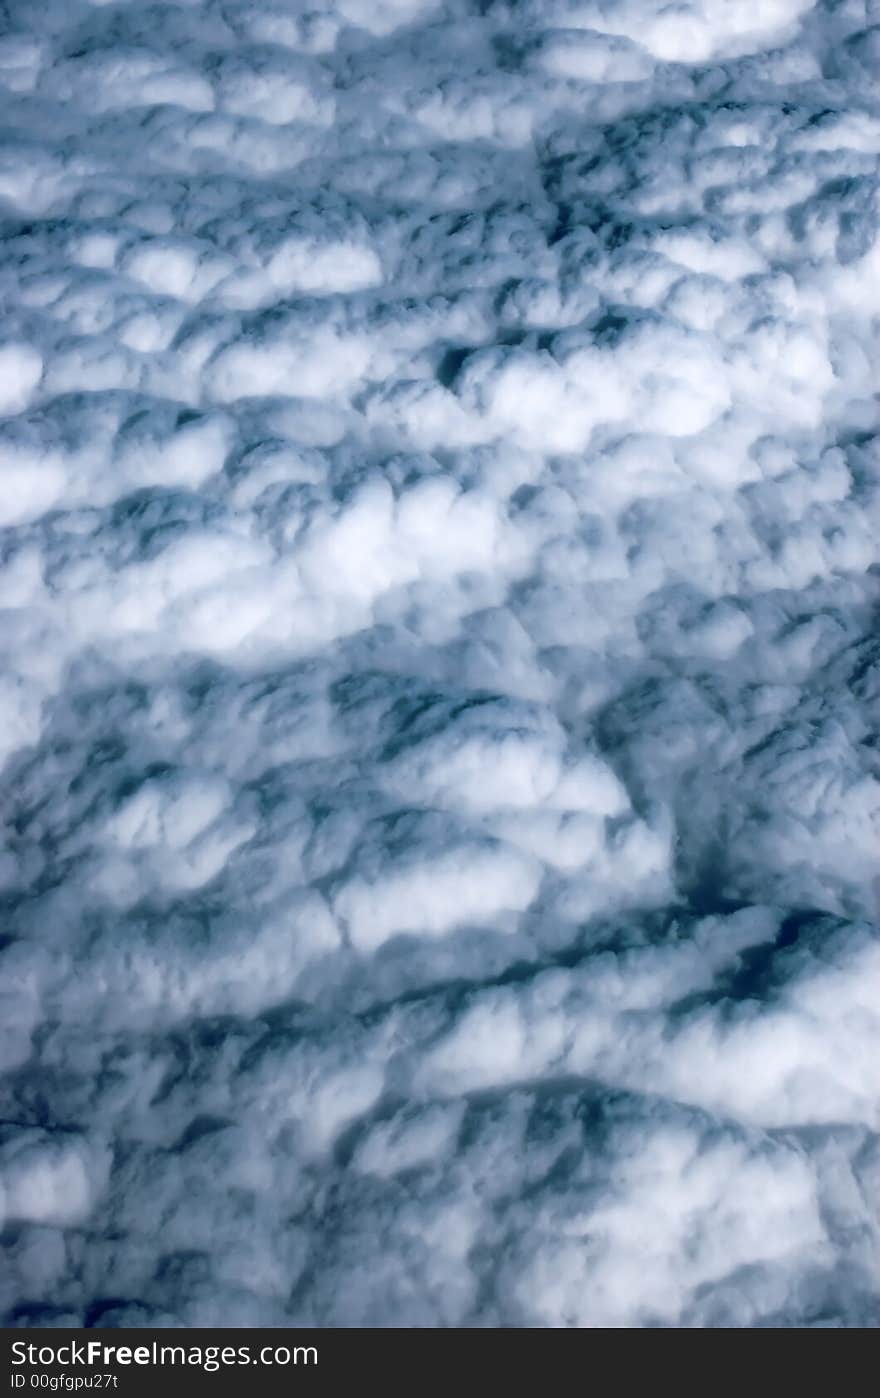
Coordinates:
439 675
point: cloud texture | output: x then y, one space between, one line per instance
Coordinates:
439 502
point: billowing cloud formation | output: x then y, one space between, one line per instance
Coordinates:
439 501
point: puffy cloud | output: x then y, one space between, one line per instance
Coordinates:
21 368
439 686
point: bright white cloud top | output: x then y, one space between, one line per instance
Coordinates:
439 504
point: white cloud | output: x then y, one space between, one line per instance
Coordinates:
438 697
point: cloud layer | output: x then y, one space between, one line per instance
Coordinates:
439 494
